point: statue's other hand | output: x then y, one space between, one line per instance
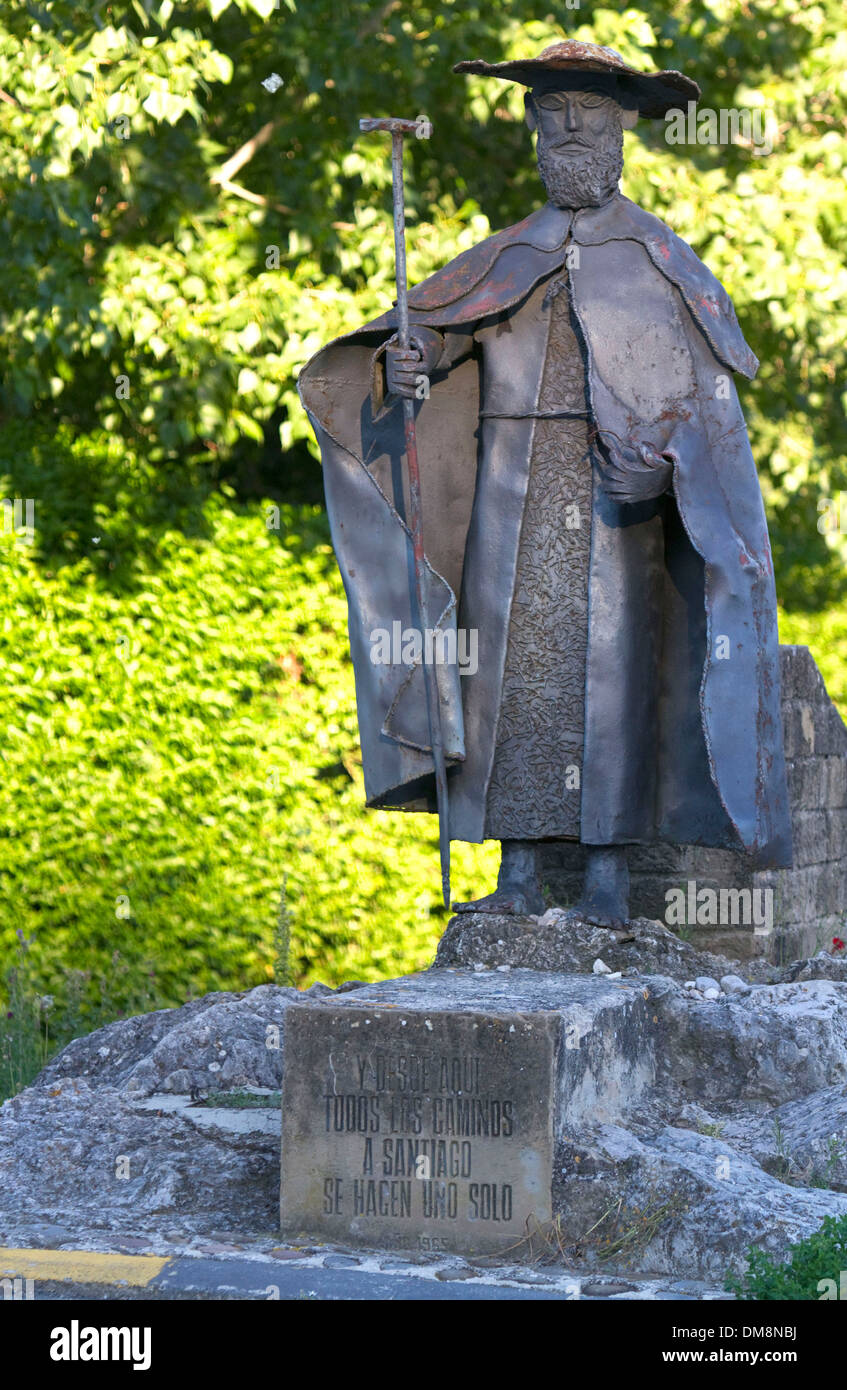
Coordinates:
634 472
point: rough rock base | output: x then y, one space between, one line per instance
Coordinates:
740 1138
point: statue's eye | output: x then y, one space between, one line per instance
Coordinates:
553 101
592 99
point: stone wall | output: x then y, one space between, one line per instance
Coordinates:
809 900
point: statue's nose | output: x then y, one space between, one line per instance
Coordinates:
572 117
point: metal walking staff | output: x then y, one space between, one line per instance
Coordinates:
399 128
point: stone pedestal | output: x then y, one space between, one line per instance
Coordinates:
424 1113
809 899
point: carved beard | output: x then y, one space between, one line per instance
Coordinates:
582 180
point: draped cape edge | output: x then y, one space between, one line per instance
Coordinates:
716 492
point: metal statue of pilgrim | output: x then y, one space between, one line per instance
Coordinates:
591 517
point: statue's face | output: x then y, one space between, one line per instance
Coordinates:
580 138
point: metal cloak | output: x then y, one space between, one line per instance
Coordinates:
661 341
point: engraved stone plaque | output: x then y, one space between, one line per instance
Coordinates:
420 1113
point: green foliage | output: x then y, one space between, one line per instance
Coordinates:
127 257
179 738
24 1026
826 634
813 1271
34 1025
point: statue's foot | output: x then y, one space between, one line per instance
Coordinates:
584 912
509 901
605 890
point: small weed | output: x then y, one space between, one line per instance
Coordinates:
631 1229
621 1233
282 940
811 1273
33 1026
24 1026
241 1100
789 1170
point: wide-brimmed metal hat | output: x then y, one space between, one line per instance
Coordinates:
655 92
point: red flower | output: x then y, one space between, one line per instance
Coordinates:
837 943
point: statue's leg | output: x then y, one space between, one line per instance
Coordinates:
518 888
605 887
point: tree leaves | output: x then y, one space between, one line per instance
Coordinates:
173 696
112 216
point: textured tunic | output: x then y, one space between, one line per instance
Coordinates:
534 791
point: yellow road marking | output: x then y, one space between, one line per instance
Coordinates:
82 1266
